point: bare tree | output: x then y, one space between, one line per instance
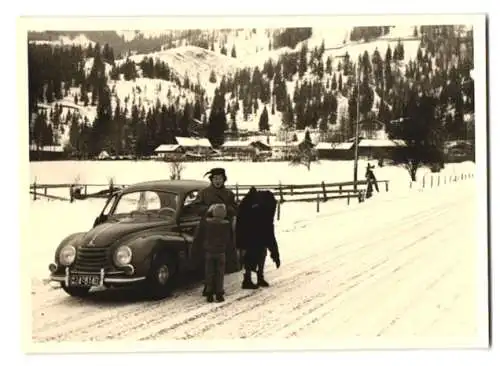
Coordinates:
304 156
176 168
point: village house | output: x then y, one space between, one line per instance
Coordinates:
169 152
195 145
244 149
48 152
186 147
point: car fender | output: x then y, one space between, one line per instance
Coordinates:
146 249
72 239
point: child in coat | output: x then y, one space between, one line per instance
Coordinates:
217 237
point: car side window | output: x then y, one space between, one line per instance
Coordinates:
191 197
190 209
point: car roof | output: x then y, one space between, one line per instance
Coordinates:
178 186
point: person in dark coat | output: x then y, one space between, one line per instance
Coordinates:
217 237
372 180
255 235
218 193
207 198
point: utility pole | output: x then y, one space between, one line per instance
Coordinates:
356 138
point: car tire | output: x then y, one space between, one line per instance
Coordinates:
161 278
76 291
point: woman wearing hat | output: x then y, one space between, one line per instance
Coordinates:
209 197
218 193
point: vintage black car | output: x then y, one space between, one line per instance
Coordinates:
143 237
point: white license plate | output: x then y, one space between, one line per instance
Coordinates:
84 280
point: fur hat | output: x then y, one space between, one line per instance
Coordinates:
216 171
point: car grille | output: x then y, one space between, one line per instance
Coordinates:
92 259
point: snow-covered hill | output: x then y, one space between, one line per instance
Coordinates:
237 49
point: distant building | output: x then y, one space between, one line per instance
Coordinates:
244 149
52 152
373 129
186 147
169 151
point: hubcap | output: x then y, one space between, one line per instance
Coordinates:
163 274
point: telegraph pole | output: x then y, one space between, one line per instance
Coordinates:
356 139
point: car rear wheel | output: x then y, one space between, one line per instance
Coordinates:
76 291
161 276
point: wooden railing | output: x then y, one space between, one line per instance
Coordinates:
284 192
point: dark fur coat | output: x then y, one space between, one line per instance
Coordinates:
255 227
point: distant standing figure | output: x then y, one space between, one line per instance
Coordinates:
372 180
217 237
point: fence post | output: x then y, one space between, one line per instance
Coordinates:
387 185
360 197
281 192
45 191
71 191
340 189
111 188
237 193
323 187
439 180
444 179
348 199
34 190
279 211
432 180
423 182
85 189
317 203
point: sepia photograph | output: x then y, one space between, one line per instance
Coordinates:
267 183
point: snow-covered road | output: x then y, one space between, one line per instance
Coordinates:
402 271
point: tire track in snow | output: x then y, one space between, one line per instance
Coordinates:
380 267
352 317
203 324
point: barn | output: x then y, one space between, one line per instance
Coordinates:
169 152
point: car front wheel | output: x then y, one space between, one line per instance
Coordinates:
161 276
76 291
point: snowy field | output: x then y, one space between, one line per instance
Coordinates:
350 274
45 216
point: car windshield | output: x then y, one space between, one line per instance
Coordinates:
147 202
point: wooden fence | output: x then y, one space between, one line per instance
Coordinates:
317 193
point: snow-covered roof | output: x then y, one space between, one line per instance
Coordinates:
166 148
285 144
343 145
380 143
324 146
237 143
193 142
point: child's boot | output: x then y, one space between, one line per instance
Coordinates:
219 297
210 298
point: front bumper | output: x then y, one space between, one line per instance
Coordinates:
110 278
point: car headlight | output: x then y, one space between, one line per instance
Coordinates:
123 256
67 255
